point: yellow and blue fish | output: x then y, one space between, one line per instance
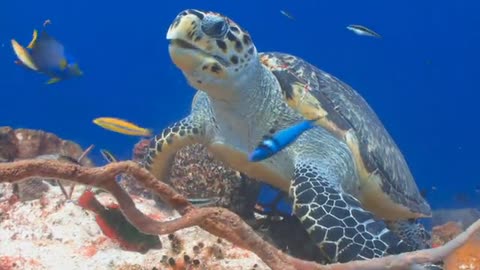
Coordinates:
270 145
122 126
44 54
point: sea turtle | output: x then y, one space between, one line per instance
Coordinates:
346 178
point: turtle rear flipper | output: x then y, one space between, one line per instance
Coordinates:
336 222
416 236
412 232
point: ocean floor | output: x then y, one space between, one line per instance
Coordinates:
41 229
52 233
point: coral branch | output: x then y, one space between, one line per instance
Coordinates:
217 221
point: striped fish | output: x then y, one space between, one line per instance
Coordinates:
270 145
122 126
362 30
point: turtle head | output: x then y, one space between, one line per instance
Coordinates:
215 54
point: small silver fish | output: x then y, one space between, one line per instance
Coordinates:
198 202
202 202
362 30
287 15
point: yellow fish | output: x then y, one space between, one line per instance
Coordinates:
122 126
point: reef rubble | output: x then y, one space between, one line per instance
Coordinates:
44 230
52 233
466 257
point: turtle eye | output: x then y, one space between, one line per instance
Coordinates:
214 26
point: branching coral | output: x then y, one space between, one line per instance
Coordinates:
217 221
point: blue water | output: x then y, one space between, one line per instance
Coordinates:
421 78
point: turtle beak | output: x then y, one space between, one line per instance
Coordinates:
187 50
183 53
185 56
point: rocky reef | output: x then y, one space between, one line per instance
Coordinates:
52 233
466 257
22 143
46 229
194 174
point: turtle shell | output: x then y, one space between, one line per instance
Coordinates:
387 186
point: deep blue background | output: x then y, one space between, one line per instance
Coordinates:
421 78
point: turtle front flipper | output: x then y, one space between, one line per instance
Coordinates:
159 155
336 222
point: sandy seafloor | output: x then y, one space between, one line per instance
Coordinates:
52 233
